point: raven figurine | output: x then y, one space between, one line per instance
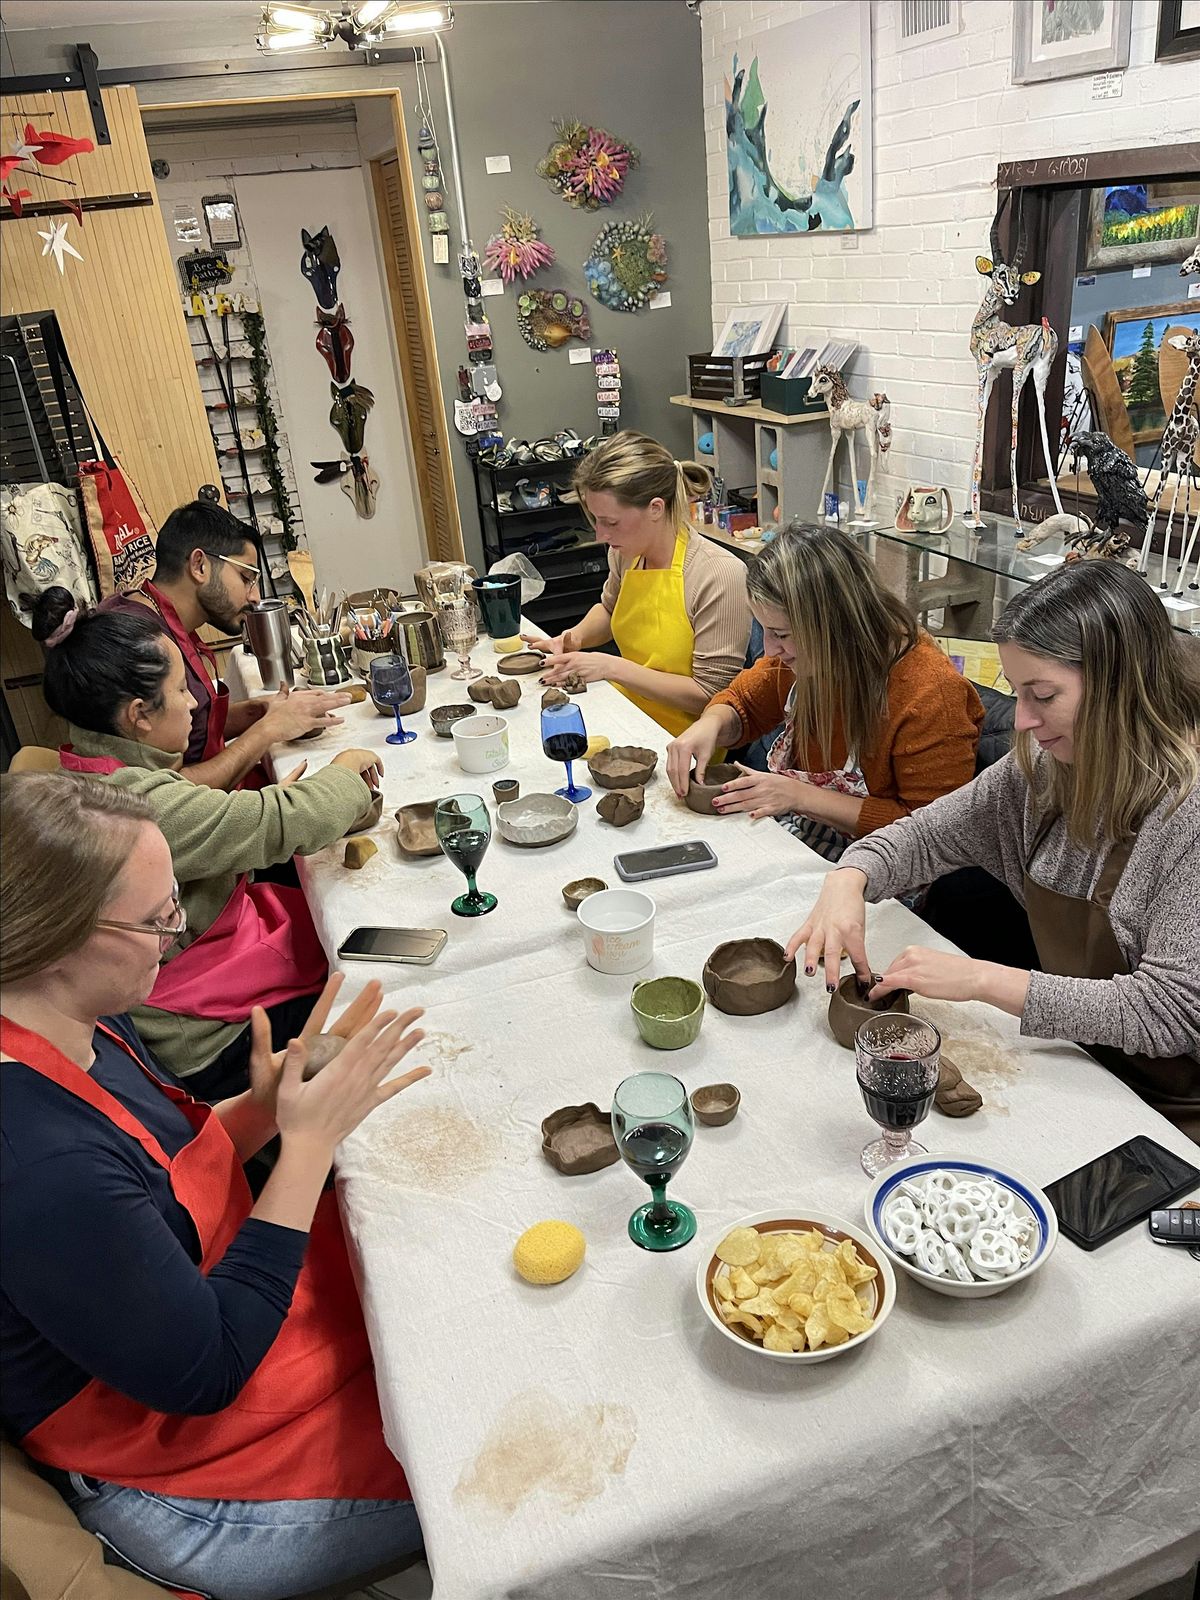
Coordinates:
1119 495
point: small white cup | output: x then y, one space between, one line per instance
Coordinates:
481 743
618 929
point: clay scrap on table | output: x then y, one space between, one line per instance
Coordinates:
359 851
495 692
554 697
622 806
955 1097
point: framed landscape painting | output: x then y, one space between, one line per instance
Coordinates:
1134 339
1178 30
1069 38
1135 224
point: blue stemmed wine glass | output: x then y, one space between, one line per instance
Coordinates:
653 1127
564 738
391 685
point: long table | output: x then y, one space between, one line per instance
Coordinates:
599 1438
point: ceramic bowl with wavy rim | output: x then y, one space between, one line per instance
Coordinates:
537 819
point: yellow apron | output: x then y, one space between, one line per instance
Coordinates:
651 628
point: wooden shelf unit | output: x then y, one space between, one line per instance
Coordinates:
743 439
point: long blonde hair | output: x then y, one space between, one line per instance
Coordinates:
848 629
637 469
1136 728
66 838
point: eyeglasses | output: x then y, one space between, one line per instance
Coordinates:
167 932
250 575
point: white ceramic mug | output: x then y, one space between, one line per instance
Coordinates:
618 929
481 743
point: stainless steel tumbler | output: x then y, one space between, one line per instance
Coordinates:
269 635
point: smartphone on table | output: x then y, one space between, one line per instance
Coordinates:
664 860
1098 1201
408 946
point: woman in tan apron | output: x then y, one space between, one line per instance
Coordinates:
674 603
1093 822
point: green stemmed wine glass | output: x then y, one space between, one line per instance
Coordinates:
464 831
652 1124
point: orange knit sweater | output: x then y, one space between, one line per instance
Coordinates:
925 746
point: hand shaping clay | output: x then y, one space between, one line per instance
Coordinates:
359 851
622 806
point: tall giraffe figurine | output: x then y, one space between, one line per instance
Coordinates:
1180 434
846 416
1028 351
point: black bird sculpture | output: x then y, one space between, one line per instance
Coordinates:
1119 495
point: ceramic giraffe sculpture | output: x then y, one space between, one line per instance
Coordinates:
1180 434
1028 351
846 417
1189 269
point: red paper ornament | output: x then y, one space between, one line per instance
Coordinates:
55 148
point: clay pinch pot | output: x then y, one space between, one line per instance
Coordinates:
369 817
623 766
620 807
576 892
554 697
415 701
322 1049
700 796
416 834
955 1097
716 1104
521 662
668 1011
579 1139
849 1008
443 718
746 977
495 692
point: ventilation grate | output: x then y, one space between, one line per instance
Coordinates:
922 21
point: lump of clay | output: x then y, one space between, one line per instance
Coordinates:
955 1096
322 1049
357 693
575 683
554 697
622 806
496 692
359 851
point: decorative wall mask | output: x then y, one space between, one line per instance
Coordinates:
361 484
547 318
321 264
586 166
348 413
335 342
517 251
627 265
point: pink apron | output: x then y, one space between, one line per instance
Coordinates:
827 841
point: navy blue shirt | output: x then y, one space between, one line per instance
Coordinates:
99 1264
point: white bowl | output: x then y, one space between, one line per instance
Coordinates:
534 819
481 743
618 929
878 1296
1030 1200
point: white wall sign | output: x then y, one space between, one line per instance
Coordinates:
578 354
491 286
496 164
1108 85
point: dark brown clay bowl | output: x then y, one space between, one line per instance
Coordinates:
700 796
443 718
417 835
716 1104
623 766
848 1010
523 661
746 977
369 817
579 1139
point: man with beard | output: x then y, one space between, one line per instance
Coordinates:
207 573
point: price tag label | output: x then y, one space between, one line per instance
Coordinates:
1194 291
1049 561
496 164
1108 85
491 286
660 301
578 354
1173 604
1140 272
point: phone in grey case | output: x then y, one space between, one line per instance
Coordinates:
663 861
409 946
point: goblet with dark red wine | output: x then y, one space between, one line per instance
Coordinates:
897 1058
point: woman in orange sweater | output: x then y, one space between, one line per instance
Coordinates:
876 721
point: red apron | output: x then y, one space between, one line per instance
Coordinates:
211 695
306 1426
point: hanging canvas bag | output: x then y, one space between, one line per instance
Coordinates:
41 545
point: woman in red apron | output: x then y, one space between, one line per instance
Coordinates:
875 719
1093 823
190 1367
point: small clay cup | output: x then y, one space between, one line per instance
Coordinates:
700 796
849 1009
369 817
579 1139
746 977
443 718
577 892
620 807
716 1104
668 1011
623 766
504 790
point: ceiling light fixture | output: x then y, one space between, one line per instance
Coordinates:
301 27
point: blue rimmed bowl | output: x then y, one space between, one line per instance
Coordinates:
1030 1202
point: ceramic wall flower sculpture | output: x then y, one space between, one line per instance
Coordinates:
627 265
586 166
547 318
517 251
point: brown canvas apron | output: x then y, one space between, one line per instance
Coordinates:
1075 939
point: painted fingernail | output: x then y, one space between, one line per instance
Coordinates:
810 972
831 988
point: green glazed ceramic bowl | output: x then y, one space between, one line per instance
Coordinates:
668 1011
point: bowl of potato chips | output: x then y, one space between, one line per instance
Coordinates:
796 1286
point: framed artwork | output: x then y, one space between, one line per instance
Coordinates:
1137 224
1134 340
799 124
1069 38
1178 30
749 330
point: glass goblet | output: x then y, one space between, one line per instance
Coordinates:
464 831
897 1058
391 685
652 1124
460 633
564 738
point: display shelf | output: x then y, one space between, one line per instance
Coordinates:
751 412
744 438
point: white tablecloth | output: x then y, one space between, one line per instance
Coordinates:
599 1438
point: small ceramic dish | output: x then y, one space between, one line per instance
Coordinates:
576 893
668 1011
716 1104
523 661
443 718
417 835
623 766
579 1139
1029 1204
700 796
746 977
537 819
877 1297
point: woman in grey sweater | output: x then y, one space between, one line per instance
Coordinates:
1093 822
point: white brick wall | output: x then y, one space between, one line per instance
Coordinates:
945 114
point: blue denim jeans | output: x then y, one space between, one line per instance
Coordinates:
244 1549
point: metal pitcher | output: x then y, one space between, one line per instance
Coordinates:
416 633
269 635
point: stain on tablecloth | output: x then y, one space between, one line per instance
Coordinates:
538 1444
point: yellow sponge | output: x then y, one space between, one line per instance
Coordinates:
549 1252
507 647
595 744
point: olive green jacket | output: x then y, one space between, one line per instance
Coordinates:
214 838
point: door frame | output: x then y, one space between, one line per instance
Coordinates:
422 466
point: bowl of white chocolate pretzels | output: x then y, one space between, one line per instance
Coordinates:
961 1226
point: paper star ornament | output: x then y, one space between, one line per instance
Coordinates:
57 244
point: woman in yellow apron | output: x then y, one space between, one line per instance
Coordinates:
674 603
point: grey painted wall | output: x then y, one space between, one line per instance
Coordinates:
630 65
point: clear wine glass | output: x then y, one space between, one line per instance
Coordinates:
898 1059
460 633
464 831
391 685
564 738
652 1124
